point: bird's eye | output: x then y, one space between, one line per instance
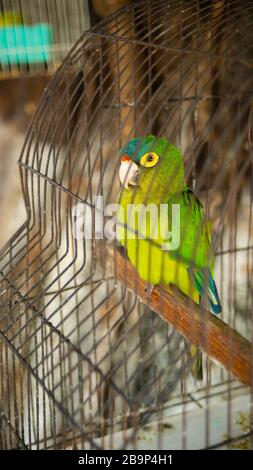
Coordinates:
149 159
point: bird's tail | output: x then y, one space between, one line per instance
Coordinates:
196 366
206 287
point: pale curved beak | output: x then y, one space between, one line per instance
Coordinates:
128 173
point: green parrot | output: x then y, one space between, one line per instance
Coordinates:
166 245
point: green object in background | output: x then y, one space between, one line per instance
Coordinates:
10 17
23 44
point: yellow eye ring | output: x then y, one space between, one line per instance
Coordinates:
149 159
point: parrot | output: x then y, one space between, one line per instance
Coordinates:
152 176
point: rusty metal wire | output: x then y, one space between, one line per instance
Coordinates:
84 361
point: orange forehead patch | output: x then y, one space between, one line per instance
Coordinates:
125 158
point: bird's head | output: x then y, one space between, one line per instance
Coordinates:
144 158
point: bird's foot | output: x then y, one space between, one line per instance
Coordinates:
148 291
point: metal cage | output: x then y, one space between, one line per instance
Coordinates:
86 360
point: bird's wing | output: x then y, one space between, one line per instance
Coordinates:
205 285
195 237
195 248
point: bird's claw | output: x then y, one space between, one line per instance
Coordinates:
148 291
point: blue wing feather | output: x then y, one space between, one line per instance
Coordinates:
204 283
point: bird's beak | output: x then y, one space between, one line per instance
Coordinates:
128 172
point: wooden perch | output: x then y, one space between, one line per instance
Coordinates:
203 329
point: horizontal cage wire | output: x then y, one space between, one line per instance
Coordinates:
91 355
36 36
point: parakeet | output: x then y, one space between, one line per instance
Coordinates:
153 179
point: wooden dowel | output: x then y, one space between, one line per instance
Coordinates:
203 329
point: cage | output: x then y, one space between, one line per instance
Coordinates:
36 36
88 360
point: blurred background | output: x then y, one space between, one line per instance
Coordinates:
35 36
